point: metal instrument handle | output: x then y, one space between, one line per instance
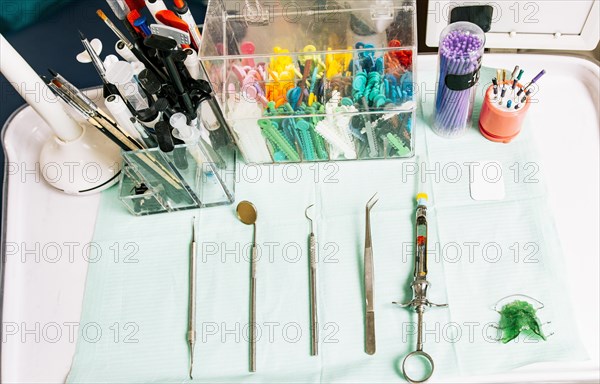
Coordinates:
427 374
369 306
313 295
253 310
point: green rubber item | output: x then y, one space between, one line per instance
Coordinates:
360 81
516 317
380 101
318 142
271 110
375 76
306 143
346 101
397 144
288 108
278 140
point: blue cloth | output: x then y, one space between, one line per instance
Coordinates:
147 297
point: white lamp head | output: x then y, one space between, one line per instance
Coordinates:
77 160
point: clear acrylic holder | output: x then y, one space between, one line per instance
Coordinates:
321 82
156 182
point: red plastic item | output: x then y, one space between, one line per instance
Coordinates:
404 57
501 125
131 18
172 20
135 5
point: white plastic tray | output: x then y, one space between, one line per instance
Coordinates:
41 297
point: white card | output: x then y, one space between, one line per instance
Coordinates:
487 181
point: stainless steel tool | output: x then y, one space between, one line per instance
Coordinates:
312 243
368 280
191 333
419 286
247 214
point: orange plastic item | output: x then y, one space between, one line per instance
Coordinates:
172 20
501 125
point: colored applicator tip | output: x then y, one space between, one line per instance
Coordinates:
535 79
539 75
514 73
101 14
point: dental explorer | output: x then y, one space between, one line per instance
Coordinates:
191 333
312 243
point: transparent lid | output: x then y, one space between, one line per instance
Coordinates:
255 28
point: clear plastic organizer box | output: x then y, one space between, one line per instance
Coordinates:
302 81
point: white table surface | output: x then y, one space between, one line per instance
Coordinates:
46 232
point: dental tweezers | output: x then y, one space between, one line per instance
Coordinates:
368 279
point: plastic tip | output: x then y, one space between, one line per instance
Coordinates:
81 35
140 21
179 3
422 196
515 71
539 75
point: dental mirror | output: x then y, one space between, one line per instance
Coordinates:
246 212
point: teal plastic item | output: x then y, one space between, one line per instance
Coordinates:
278 140
305 139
